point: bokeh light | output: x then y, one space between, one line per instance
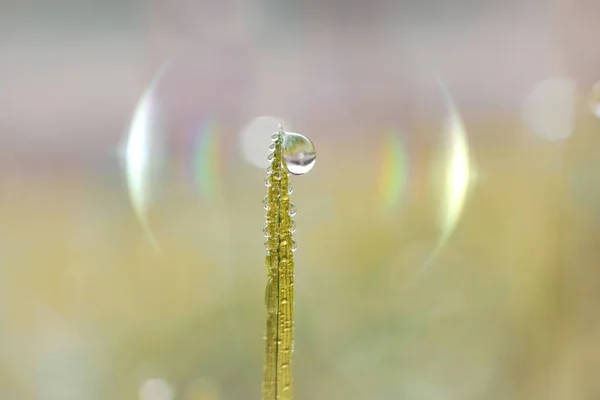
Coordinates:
458 170
255 139
549 110
425 174
144 153
180 147
156 389
395 169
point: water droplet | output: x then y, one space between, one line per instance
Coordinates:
299 153
290 190
266 203
272 147
275 137
269 170
294 246
292 210
268 181
270 157
293 227
266 231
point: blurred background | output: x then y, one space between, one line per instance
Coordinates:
448 236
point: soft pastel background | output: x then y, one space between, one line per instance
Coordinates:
409 285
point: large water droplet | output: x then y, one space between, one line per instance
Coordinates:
299 153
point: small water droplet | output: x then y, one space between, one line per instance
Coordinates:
290 190
266 231
292 211
269 170
272 147
266 203
270 157
267 181
294 246
299 153
275 137
293 227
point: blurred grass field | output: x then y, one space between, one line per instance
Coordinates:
507 310
92 309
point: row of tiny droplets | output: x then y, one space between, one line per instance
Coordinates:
271 231
286 273
278 232
271 158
